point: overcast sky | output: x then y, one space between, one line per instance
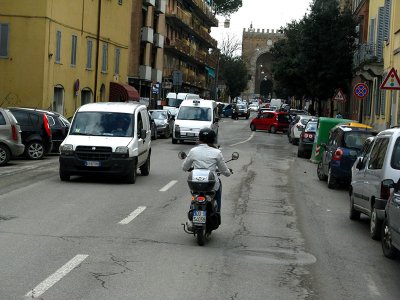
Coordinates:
264 14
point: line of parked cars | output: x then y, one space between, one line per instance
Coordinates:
30 132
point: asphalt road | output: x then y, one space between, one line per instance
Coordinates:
284 234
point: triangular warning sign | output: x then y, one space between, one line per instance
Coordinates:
339 96
391 82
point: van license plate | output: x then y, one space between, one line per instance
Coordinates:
91 163
191 134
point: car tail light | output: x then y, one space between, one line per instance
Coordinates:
14 133
385 191
46 125
338 154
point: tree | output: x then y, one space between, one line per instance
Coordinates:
234 72
227 7
230 45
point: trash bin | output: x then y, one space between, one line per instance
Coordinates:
322 135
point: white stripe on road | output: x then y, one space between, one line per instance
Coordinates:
168 186
60 273
133 215
373 289
251 136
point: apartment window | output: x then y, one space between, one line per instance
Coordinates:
120 2
104 58
4 29
73 50
117 58
89 54
58 46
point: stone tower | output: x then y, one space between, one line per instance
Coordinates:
256 46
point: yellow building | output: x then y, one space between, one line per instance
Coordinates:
61 54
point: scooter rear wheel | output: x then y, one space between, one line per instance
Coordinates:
200 236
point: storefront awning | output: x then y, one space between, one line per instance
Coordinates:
121 92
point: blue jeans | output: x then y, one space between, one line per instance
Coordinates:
218 196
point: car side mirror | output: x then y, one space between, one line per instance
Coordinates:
143 134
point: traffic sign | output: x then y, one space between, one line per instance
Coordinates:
361 90
339 96
391 82
156 88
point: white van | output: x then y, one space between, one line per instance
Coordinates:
174 100
192 116
111 138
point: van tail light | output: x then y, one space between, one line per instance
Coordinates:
338 154
14 133
385 191
46 125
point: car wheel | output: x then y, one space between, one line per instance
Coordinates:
174 141
331 179
320 172
131 177
34 150
5 155
167 133
64 176
375 225
353 214
253 127
388 250
145 169
273 129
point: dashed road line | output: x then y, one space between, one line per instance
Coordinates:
56 276
168 186
132 215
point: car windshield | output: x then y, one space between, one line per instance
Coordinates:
159 115
355 139
102 124
283 118
194 113
311 127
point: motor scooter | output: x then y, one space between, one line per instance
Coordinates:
203 210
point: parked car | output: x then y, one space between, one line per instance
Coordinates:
391 222
254 106
297 127
368 192
10 137
339 154
364 150
164 122
153 128
59 126
306 140
35 131
227 110
271 120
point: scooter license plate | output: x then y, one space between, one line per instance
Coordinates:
199 217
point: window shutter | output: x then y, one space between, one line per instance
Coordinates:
117 58
386 30
58 46
371 37
4 40
89 54
381 27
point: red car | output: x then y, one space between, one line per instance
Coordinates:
272 121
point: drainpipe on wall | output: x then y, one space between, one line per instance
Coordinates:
97 51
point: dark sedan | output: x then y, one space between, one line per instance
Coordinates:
164 122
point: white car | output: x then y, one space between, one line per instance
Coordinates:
254 107
299 123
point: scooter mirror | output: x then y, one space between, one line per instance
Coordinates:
235 155
182 155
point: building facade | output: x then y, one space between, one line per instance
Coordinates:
190 60
256 47
374 58
62 54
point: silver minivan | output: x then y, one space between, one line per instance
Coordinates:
368 191
10 137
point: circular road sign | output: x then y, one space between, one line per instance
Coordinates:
361 90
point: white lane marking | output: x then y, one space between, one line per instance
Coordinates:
168 186
251 136
132 215
373 289
56 276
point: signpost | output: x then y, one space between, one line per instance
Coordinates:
339 96
361 91
391 83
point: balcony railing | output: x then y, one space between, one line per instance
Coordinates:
189 77
202 6
367 53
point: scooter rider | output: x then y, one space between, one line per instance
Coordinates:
207 156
